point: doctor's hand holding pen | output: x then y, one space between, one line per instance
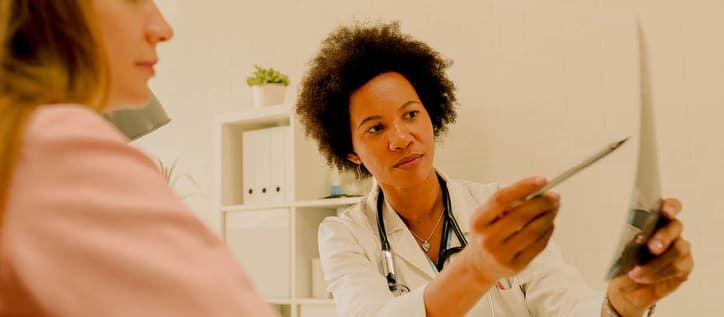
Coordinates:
508 231
633 293
506 234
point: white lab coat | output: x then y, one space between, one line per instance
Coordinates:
351 257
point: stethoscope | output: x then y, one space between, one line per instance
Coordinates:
394 285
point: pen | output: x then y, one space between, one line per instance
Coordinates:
573 170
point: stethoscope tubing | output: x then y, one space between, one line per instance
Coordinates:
389 265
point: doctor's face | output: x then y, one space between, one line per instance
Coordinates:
392 134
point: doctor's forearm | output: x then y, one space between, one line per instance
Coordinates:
455 290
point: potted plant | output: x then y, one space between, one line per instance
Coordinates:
169 173
268 86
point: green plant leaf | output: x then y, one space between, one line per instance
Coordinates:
262 76
172 178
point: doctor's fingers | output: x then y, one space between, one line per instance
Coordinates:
677 262
664 237
671 207
530 233
496 205
518 218
522 259
678 271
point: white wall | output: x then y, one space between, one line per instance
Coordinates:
541 84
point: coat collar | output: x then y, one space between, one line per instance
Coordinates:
402 243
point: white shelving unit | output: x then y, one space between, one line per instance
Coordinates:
291 232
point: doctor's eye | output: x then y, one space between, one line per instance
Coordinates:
411 114
375 129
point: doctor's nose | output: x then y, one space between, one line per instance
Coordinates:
400 137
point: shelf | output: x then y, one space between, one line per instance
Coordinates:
237 208
257 115
279 301
314 301
329 203
282 269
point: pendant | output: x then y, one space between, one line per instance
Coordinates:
426 246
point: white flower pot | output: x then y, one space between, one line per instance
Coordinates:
268 94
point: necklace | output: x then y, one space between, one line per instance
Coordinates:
426 242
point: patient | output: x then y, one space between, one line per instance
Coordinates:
422 244
89 225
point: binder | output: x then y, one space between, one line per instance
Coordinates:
280 169
289 164
256 165
262 169
248 142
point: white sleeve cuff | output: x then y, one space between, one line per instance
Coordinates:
411 304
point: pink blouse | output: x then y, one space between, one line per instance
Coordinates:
92 229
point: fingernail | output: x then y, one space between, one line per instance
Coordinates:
656 245
556 196
540 181
640 239
635 274
669 210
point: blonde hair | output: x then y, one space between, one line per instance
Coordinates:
50 52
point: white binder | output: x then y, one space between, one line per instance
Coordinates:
280 150
256 165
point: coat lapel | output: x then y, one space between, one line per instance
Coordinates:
466 198
463 206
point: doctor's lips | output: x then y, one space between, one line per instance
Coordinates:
409 161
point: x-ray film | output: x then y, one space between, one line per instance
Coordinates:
644 214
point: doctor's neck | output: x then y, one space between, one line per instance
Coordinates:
415 204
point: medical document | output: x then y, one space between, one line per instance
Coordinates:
644 216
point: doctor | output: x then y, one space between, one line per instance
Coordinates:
421 244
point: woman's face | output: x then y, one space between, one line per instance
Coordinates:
131 30
392 134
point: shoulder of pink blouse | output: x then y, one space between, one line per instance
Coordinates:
92 229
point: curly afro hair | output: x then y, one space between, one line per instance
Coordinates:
350 57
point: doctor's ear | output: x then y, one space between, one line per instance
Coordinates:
354 158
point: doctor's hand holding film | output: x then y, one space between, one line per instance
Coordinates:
633 293
508 231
